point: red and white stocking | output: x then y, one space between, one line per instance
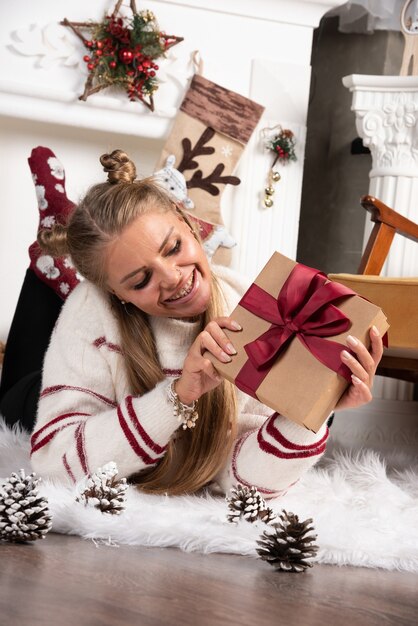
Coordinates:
54 208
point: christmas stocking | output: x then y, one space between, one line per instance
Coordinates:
209 134
54 208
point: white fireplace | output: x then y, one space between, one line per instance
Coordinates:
386 110
260 49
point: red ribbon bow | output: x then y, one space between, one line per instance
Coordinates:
303 309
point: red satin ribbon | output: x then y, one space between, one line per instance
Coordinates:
303 309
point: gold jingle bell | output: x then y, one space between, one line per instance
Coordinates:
275 176
269 191
268 202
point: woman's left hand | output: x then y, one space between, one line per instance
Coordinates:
363 369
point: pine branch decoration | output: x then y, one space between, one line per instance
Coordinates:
247 503
104 492
24 515
290 546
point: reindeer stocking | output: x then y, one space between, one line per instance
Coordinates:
207 139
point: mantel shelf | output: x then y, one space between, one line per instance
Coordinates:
365 82
63 108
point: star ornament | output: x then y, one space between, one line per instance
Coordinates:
122 52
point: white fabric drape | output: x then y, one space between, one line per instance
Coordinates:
365 16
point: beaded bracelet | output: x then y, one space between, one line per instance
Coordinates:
185 413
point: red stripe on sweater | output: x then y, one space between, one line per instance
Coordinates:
68 468
144 436
54 421
102 341
302 454
280 438
133 442
168 372
81 449
51 435
238 478
56 388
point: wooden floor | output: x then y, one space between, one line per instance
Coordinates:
65 580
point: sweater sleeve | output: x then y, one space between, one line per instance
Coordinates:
271 452
83 420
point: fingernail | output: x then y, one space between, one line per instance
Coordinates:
230 348
375 331
236 325
345 354
355 380
225 357
352 341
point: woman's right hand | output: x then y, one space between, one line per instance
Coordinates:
199 375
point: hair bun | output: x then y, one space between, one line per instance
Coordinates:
119 167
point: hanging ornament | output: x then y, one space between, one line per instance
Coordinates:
280 141
122 52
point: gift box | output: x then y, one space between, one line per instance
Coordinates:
294 326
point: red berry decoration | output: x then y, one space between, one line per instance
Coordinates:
86 58
126 56
112 64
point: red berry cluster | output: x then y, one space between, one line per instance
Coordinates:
282 153
99 50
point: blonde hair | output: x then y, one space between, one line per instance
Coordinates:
99 218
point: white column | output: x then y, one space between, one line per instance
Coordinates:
386 109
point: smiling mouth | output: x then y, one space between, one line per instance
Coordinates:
185 290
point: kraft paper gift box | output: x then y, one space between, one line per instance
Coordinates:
289 367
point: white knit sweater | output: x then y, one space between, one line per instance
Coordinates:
87 415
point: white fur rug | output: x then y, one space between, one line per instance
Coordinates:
365 513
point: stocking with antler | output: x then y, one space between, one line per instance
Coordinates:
207 139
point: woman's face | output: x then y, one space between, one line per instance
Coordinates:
159 266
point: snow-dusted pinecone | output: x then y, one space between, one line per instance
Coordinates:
247 502
103 491
24 515
290 545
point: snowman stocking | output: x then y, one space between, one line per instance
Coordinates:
54 208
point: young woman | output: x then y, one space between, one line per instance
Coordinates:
125 377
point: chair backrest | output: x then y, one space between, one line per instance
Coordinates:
387 224
398 297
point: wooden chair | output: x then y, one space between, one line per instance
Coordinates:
398 297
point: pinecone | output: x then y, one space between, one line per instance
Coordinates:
248 503
290 545
102 491
24 515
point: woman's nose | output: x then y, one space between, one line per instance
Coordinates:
171 276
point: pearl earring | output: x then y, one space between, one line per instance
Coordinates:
122 301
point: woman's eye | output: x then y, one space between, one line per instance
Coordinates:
176 248
143 283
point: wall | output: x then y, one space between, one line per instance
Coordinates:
332 221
